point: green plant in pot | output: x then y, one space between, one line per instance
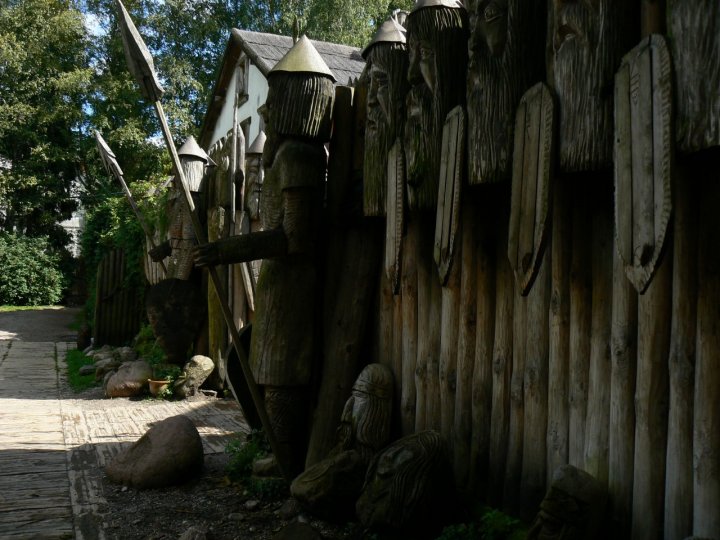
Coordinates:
163 377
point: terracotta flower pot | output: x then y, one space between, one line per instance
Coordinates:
158 387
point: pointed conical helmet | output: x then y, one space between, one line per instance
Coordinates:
422 4
257 145
303 58
191 148
391 31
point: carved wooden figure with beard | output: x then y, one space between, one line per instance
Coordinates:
586 41
387 64
437 48
505 58
694 30
282 348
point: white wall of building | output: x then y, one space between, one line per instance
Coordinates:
257 92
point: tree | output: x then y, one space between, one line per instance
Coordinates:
44 77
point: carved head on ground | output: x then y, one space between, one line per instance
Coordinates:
586 42
387 65
437 49
299 100
365 421
505 53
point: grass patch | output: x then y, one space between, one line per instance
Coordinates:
7 309
75 360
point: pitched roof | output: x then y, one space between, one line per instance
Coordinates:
265 50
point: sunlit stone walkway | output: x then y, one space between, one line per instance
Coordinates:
53 447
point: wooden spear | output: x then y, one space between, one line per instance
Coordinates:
141 65
113 169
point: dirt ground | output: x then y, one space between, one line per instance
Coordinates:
42 324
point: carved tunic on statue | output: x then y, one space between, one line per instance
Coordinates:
281 349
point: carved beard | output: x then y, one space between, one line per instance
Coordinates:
695 45
376 156
587 44
421 142
495 86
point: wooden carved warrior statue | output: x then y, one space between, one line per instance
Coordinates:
505 57
694 31
387 60
297 125
437 48
254 177
586 41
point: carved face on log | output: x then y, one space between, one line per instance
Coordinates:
297 105
385 115
586 42
437 51
253 185
365 421
694 28
505 57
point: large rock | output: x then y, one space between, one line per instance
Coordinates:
169 453
125 354
330 488
129 380
195 371
105 365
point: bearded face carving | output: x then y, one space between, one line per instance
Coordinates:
586 42
385 116
437 51
505 57
253 186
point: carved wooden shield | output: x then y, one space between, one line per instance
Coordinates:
643 158
447 216
395 207
531 184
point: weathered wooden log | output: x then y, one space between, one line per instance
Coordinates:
434 416
502 366
397 361
679 466
580 321
483 285
706 425
385 321
424 277
558 400
651 405
621 437
534 460
447 369
464 418
409 299
513 468
598 410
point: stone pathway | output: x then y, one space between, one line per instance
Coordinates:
53 447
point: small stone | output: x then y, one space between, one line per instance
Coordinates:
236 516
194 533
252 505
88 369
289 509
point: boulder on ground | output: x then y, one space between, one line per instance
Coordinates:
101 367
88 369
195 371
169 453
129 380
125 354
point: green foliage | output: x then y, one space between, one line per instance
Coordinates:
267 489
244 452
75 360
493 525
30 273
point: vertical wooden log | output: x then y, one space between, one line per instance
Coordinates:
558 402
513 469
434 418
706 426
385 321
502 367
679 475
580 322
423 309
464 411
447 370
409 298
623 347
651 405
397 362
484 260
598 413
535 400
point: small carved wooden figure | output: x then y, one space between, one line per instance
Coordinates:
437 48
255 176
297 125
506 56
586 41
387 65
